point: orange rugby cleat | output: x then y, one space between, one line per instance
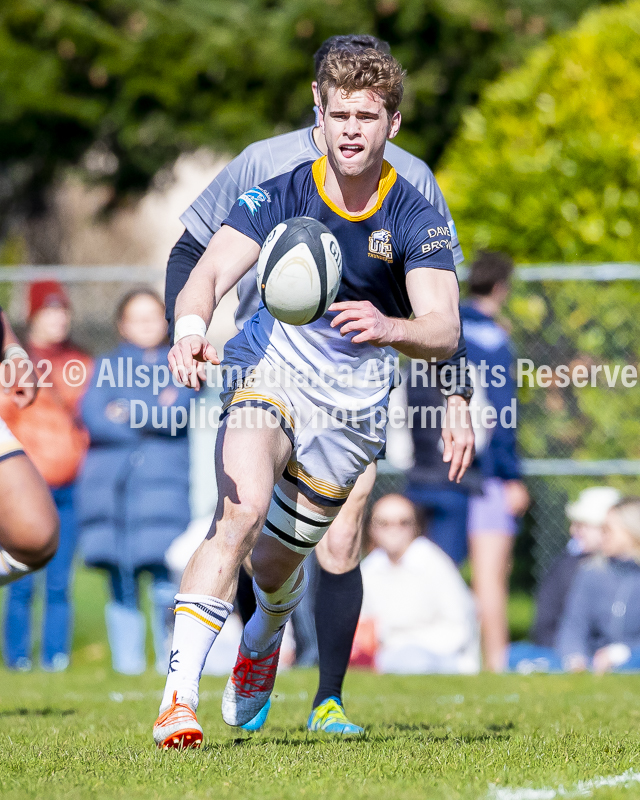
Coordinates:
177 727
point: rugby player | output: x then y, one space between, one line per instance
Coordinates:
28 517
339 592
281 484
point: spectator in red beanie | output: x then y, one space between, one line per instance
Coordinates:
52 435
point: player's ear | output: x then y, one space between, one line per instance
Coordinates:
316 93
394 125
321 117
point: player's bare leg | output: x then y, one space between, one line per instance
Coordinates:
340 550
28 519
251 456
279 585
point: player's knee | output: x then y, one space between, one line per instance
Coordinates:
267 582
242 526
339 551
270 572
37 542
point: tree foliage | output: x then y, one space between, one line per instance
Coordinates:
121 87
547 168
547 165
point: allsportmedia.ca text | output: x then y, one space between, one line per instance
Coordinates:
122 374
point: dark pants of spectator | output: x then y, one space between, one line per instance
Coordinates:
56 628
124 585
445 512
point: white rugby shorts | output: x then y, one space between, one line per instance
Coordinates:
332 445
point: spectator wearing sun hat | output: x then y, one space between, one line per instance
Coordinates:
587 516
53 436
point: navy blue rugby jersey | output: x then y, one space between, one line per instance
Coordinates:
401 232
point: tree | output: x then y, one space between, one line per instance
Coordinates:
547 168
119 88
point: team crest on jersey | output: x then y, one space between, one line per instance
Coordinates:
380 245
254 198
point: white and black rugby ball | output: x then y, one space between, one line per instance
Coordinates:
299 270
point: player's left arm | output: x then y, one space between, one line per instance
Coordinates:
18 372
434 331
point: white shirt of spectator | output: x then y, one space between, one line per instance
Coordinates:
421 602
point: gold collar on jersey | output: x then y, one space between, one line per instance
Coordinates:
387 179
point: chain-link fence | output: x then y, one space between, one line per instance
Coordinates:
576 330
579 421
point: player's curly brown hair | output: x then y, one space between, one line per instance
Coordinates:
357 70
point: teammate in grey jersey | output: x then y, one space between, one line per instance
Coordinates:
339 591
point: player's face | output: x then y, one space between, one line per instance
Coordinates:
356 127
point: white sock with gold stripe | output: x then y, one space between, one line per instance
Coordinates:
274 610
199 619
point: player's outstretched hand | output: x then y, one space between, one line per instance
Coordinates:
186 358
363 316
458 437
20 381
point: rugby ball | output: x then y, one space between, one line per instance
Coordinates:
299 270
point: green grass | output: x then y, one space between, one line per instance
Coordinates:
87 734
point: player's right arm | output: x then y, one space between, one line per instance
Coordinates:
18 376
229 255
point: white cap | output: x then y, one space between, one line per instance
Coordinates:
593 505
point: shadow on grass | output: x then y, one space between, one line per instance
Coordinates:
267 741
38 712
299 737
466 738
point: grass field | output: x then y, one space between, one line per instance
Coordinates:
86 734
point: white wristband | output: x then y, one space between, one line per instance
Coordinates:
15 351
190 325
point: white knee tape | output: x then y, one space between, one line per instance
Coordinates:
293 525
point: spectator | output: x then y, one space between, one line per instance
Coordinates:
601 626
133 493
587 516
493 515
417 609
53 436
